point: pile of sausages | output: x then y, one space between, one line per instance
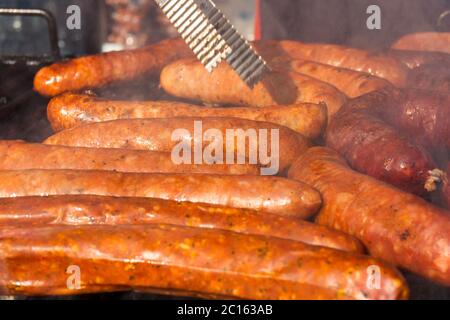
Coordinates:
362 150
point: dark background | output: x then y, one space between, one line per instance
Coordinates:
344 21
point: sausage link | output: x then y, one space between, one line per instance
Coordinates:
179 259
189 79
96 210
377 64
433 76
395 226
373 147
270 194
16 155
71 110
156 135
103 69
352 83
424 41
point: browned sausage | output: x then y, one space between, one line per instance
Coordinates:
179 260
95 210
16 155
106 68
377 64
270 194
71 110
424 116
416 59
425 41
373 147
156 135
352 83
189 79
395 226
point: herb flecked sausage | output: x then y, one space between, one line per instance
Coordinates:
97 210
157 135
71 110
270 194
395 226
181 260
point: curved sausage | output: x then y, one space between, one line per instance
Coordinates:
424 41
189 79
269 194
178 260
377 64
71 110
373 147
352 83
96 210
395 226
103 69
157 135
16 155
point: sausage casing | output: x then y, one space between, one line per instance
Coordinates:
71 110
15 155
395 226
103 69
97 210
270 194
178 259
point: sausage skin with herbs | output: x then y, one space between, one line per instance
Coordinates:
180 260
395 226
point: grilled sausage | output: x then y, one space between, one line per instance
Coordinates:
395 226
377 64
416 59
424 116
16 155
425 41
158 135
270 194
373 147
178 260
71 110
352 83
107 68
96 210
189 79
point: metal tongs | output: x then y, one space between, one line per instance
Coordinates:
213 38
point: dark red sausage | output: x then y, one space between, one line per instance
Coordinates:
373 147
